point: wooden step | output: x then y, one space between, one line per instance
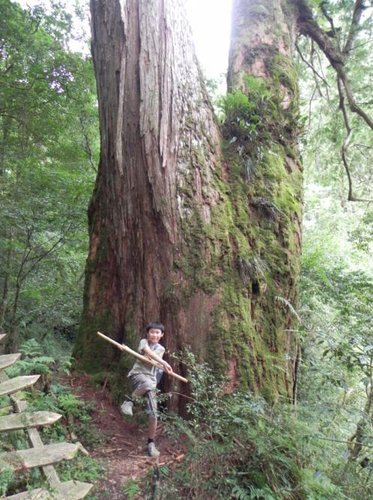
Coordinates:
69 490
38 457
17 383
37 494
36 442
9 359
25 420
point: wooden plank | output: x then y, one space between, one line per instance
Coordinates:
71 490
38 494
74 490
17 383
25 420
9 359
38 457
36 441
49 471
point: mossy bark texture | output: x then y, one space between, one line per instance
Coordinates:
191 222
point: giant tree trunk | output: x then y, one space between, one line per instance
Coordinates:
189 225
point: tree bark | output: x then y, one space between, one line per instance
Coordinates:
178 230
262 46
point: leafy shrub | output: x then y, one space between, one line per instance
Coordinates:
239 447
131 489
34 361
81 468
6 477
251 112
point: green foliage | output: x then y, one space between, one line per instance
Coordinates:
240 447
6 478
76 412
33 361
204 409
249 113
236 106
336 373
48 146
4 405
70 404
15 440
131 489
324 121
81 468
336 285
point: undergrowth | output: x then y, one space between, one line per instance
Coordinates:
239 447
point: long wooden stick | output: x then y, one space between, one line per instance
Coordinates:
153 362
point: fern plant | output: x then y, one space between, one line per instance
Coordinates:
131 489
6 478
33 362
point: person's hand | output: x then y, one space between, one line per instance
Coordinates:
167 367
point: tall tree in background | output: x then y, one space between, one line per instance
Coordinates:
192 223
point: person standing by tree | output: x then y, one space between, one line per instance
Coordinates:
144 378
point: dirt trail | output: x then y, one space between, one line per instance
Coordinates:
122 450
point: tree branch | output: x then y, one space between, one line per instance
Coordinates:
328 17
356 16
86 145
341 441
350 97
310 105
315 72
309 27
346 144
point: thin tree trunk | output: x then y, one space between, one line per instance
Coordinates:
365 424
8 253
4 296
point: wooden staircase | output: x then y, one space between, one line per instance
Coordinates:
38 455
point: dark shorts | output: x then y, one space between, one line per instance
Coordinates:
146 386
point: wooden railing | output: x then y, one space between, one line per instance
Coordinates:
38 455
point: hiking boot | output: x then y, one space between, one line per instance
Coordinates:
152 450
126 408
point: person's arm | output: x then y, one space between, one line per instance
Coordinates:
151 354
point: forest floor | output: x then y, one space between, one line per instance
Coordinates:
121 448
